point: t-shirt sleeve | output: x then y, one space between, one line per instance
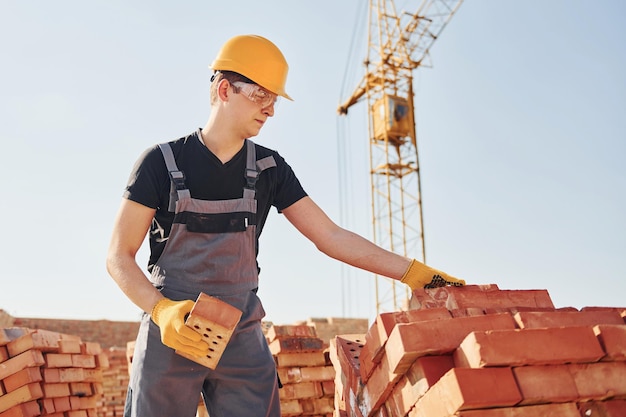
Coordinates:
148 180
288 190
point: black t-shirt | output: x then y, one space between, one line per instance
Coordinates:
207 179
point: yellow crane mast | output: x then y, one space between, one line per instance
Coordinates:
398 44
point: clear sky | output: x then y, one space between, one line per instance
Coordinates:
521 125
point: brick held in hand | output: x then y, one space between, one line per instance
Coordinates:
215 320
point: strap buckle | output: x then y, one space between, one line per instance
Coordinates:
251 177
178 179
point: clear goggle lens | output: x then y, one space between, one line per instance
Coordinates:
256 93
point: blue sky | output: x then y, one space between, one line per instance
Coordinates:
521 126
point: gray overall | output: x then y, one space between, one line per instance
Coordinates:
212 249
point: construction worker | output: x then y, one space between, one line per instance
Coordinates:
204 199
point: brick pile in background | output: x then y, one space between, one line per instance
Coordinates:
115 381
105 332
329 327
304 370
478 351
45 373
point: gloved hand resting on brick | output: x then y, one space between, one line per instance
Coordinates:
419 275
170 316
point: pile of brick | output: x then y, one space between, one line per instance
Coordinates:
478 351
326 328
304 369
114 384
45 373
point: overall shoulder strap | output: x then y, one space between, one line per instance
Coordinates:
252 174
254 168
178 189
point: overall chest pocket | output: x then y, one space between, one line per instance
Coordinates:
216 223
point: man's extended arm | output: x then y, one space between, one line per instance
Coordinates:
348 247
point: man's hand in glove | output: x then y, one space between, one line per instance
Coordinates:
419 275
170 316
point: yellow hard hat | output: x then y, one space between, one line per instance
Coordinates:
256 58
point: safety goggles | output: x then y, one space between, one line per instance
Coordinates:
255 93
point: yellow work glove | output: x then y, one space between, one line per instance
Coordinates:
418 275
170 316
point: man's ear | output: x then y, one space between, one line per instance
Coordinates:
223 89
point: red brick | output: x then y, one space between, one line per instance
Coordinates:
81 389
422 298
63 374
4 354
87 402
612 338
387 321
21 378
89 375
317 373
621 310
409 341
58 360
289 375
47 405
422 375
472 311
301 359
42 340
83 361
545 384
215 321
52 390
61 404
609 408
102 361
598 381
28 409
27 359
296 344
290 331
317 406
535 319
514 310
379 385
76 413
21 395
348 351
382 327
372 351
328 387
547 410
90 348
291 407
465 389
301 390
529 347
479 296
70 346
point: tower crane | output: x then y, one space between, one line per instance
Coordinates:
398 44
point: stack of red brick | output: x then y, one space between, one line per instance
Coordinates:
114 383
44 373
478 351
304 369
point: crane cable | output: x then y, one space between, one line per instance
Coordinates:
344 159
